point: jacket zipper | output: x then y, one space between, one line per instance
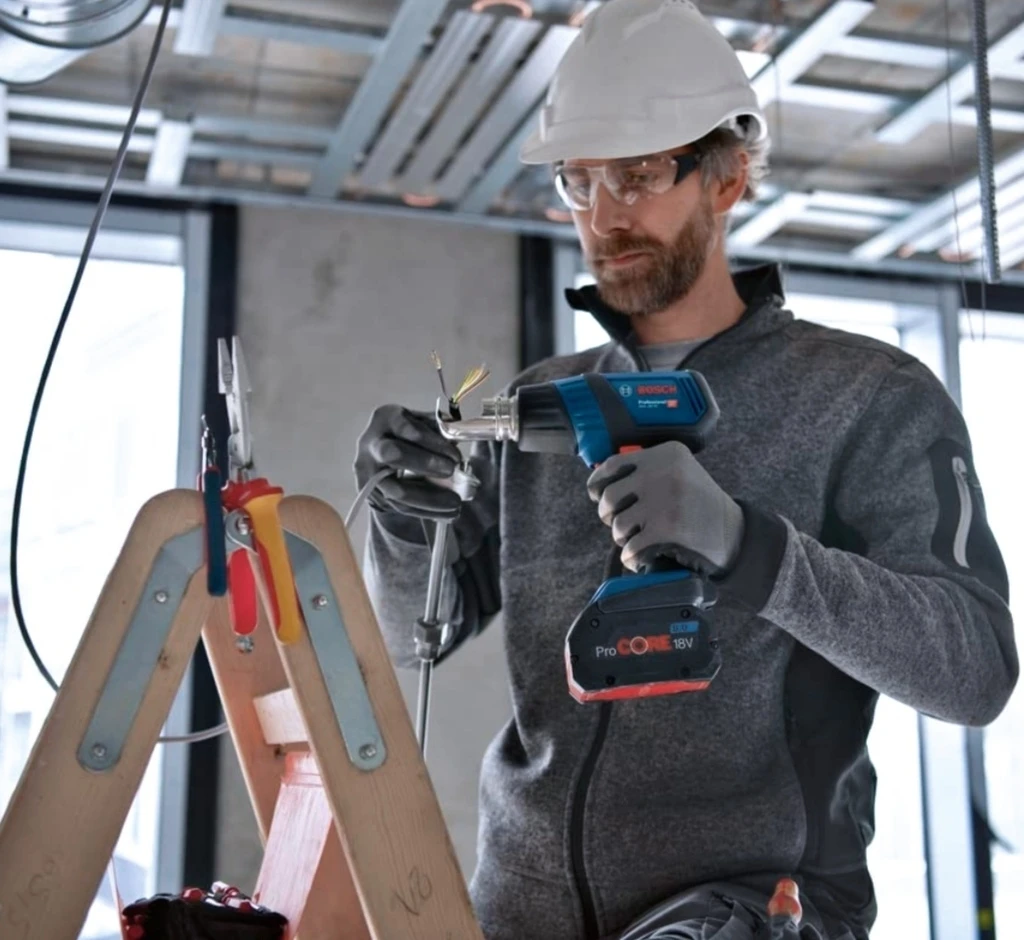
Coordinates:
963 528
590 926
579 869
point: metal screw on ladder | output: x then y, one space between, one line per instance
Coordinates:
320 601
161 597
244 644
368 751
99 751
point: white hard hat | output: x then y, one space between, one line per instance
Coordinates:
642 76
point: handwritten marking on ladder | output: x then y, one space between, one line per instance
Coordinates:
419 892
33 897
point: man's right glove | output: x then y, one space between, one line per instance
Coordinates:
403 440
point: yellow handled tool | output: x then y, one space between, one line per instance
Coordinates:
277 567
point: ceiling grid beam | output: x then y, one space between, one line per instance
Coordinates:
460 39
170 153
346 41
808 46
966 220
507 116
479 151
353 42
769 220
5 150
793 255
393 61
198 26
934 106
778 80
505 168
508 44
902 233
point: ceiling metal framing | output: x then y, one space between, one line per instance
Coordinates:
446 96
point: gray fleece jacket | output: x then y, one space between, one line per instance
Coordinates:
867 567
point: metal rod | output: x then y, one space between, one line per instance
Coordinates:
423 704
986 172
438 559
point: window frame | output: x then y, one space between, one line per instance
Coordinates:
179 237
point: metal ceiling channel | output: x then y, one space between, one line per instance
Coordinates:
502 171
1012 250
253 26
87 138
935 105
344 41
255 129
837 99
837 221
788 254
778 80
894 51
938 210
860 203
5 153
507 45
768 221
519 98
972 238
170 153
87 112
439 73
412 23
196 34
808 46
264 156
967 219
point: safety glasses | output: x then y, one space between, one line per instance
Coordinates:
627 180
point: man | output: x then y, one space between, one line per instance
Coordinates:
835 509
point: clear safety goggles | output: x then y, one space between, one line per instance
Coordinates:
627 180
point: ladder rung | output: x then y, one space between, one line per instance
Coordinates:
279 718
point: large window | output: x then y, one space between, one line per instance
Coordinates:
108 438
896 856
992 378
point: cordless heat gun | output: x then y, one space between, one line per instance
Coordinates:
642 634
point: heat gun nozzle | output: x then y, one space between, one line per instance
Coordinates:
498 422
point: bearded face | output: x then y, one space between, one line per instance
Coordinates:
638 274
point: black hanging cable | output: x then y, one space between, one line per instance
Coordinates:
94 228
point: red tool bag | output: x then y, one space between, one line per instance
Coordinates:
225 914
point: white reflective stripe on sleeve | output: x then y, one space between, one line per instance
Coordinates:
963 528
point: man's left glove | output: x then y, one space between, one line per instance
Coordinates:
661 501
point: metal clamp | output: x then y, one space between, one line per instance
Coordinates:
349 697
137 658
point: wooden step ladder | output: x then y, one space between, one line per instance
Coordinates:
320 726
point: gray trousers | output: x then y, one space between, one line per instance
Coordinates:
717 912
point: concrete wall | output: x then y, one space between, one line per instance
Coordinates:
338 314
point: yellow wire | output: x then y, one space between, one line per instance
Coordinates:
474 379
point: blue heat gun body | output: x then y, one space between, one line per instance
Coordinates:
647 633
641 634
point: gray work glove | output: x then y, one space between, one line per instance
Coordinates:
403 440
661 501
